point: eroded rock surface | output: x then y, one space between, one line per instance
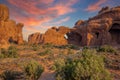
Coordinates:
102 29
10 32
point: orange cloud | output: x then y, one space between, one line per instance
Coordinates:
96 6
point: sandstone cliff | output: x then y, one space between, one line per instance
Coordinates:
10 32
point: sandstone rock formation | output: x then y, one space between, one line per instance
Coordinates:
101 29
10 32
35 38
54 35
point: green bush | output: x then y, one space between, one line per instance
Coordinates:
47 51
70 46
59 63
13 75
48 45
10 53
33 70
70 51
73 46
89 67
106 48
35 47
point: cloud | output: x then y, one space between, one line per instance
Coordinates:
95 6
62 20
36 13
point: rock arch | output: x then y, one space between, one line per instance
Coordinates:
74 38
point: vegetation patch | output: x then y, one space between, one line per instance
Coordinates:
33 70
89 67
45 52
107 48
11 52
13 75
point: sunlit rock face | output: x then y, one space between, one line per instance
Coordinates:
102 29
35 38
10 32
53 35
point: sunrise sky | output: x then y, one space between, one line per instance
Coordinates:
39 15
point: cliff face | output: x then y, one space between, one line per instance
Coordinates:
54 35
10 32
101 29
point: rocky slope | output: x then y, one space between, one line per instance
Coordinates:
10 32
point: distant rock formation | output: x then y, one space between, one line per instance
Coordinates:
35 38
54 35
101 29
10 32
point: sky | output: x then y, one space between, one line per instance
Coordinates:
40 15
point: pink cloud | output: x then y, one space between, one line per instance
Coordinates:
96 6
37 15
46 1
62 20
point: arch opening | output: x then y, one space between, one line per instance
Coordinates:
115 33
74 38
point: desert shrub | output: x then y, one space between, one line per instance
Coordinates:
71 46
106 48
59 63
35 47
48 45
10 53
68 46
89 67
47 51
53 67
13 75
33 70
84 48
70 51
